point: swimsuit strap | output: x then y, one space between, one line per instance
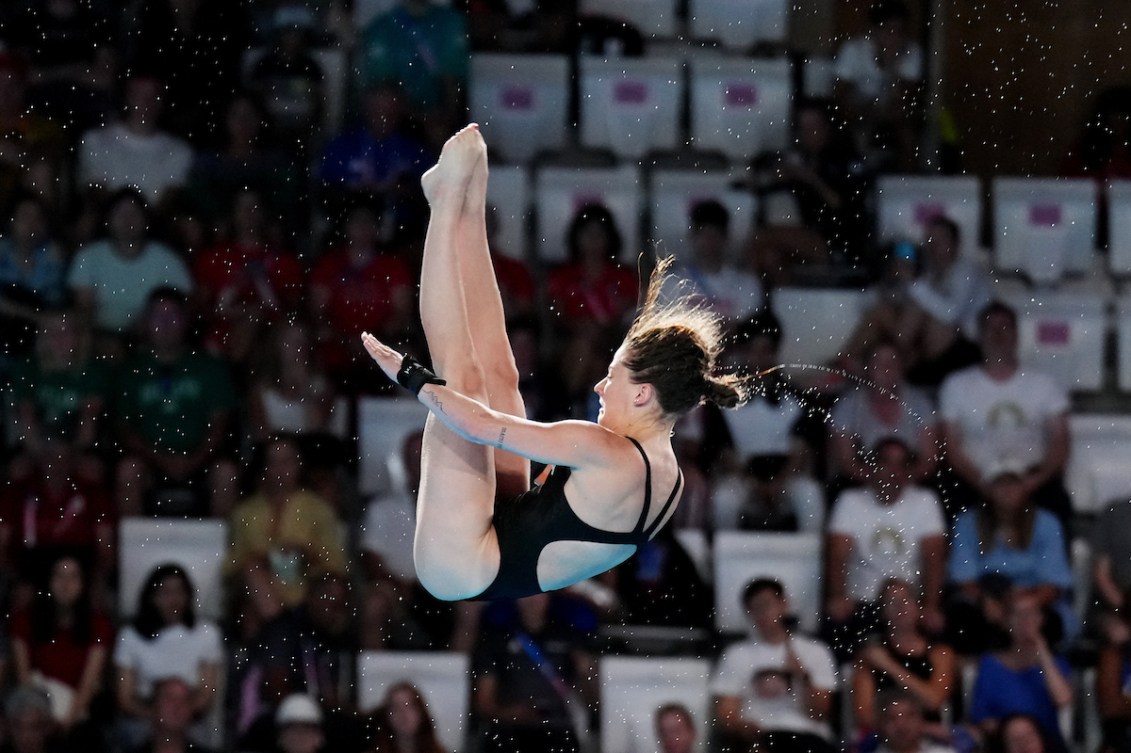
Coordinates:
639 527
664 510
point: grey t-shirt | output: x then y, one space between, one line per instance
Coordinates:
853 415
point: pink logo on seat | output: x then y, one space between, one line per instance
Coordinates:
1044 215
517 98
630 92
926 212
740 95
1054 333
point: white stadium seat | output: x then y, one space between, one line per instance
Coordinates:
1044 228
738 24
1119 226
631 105
905 203
816 322
1063 334
673 194
443 679
794 559
740 107
632 688
561 191
383 423
508 191
199 546
521 102
1098 472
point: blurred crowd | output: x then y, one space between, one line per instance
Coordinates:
190 244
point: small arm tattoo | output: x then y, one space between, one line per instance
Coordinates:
437 403
502 436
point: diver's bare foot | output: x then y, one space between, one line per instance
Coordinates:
448 179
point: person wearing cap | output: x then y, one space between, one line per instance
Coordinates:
1006 548
298 725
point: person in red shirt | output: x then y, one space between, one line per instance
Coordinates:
62 643
359 286
53 511
246 281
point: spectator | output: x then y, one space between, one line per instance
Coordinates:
380 155
661 585
887 529
59 393
709 274
134 151
422 48
763 475
196 46
1021 733
774 691
996 414
1007 547
307 649
1111 560
289 392
1025 677
281 537
879 78
29 723
901 725
882 406
299 723
25 136
1113 696
112 279
902 657
60 643
403 723
675 729
247 280
32 275
529 675
359 286
174 412
173 707
54 511
246 160
166 641
290 80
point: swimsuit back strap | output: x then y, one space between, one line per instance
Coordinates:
664 510
647 489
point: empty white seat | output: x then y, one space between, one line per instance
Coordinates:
442 678
383 423
675 192
816 322
794 559
1119 226
1063 334
1044 228
652 18
632 688
905 203
561 191
521 101
740 107
198 546
508 191
738 24
631 105
1098 471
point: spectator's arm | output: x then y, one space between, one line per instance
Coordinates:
126 692
1111 701
818 702
929 452
728 712
932 552
864 697
1056 452
1058 686
21 658
933 692
88 685
587 684
962 463
837 548
204 698
1105 583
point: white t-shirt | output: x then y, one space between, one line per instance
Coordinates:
176 651
1002 423
958 298
762 428
856 64
388 531
730 292
885 538
122 285
115 157
740 672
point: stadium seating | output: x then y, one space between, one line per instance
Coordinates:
673 193
521 102
631 106
738 24
792 558
443 679
905 203
740 107
1044 228
382 425
561 191
632 688
199 546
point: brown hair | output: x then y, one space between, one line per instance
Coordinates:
425 741
674 346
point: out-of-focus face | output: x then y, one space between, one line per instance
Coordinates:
384 110
404 713
892 35
166 324
247 214
143 97
939 247
885 368
766 608
616 391
892 471
998 337
329 606
760 353
676 733
1008 495
172 705
29 224
66 582
593 242
813 131
362 230
900 606
29 731
901 724
171 599
282 466
127 223
1020 735
709 242
57 341
1025 619
301 738
243 121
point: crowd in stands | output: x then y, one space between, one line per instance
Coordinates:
190 243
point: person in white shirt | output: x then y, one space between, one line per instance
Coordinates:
996 414
886 529
775 689
134 151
